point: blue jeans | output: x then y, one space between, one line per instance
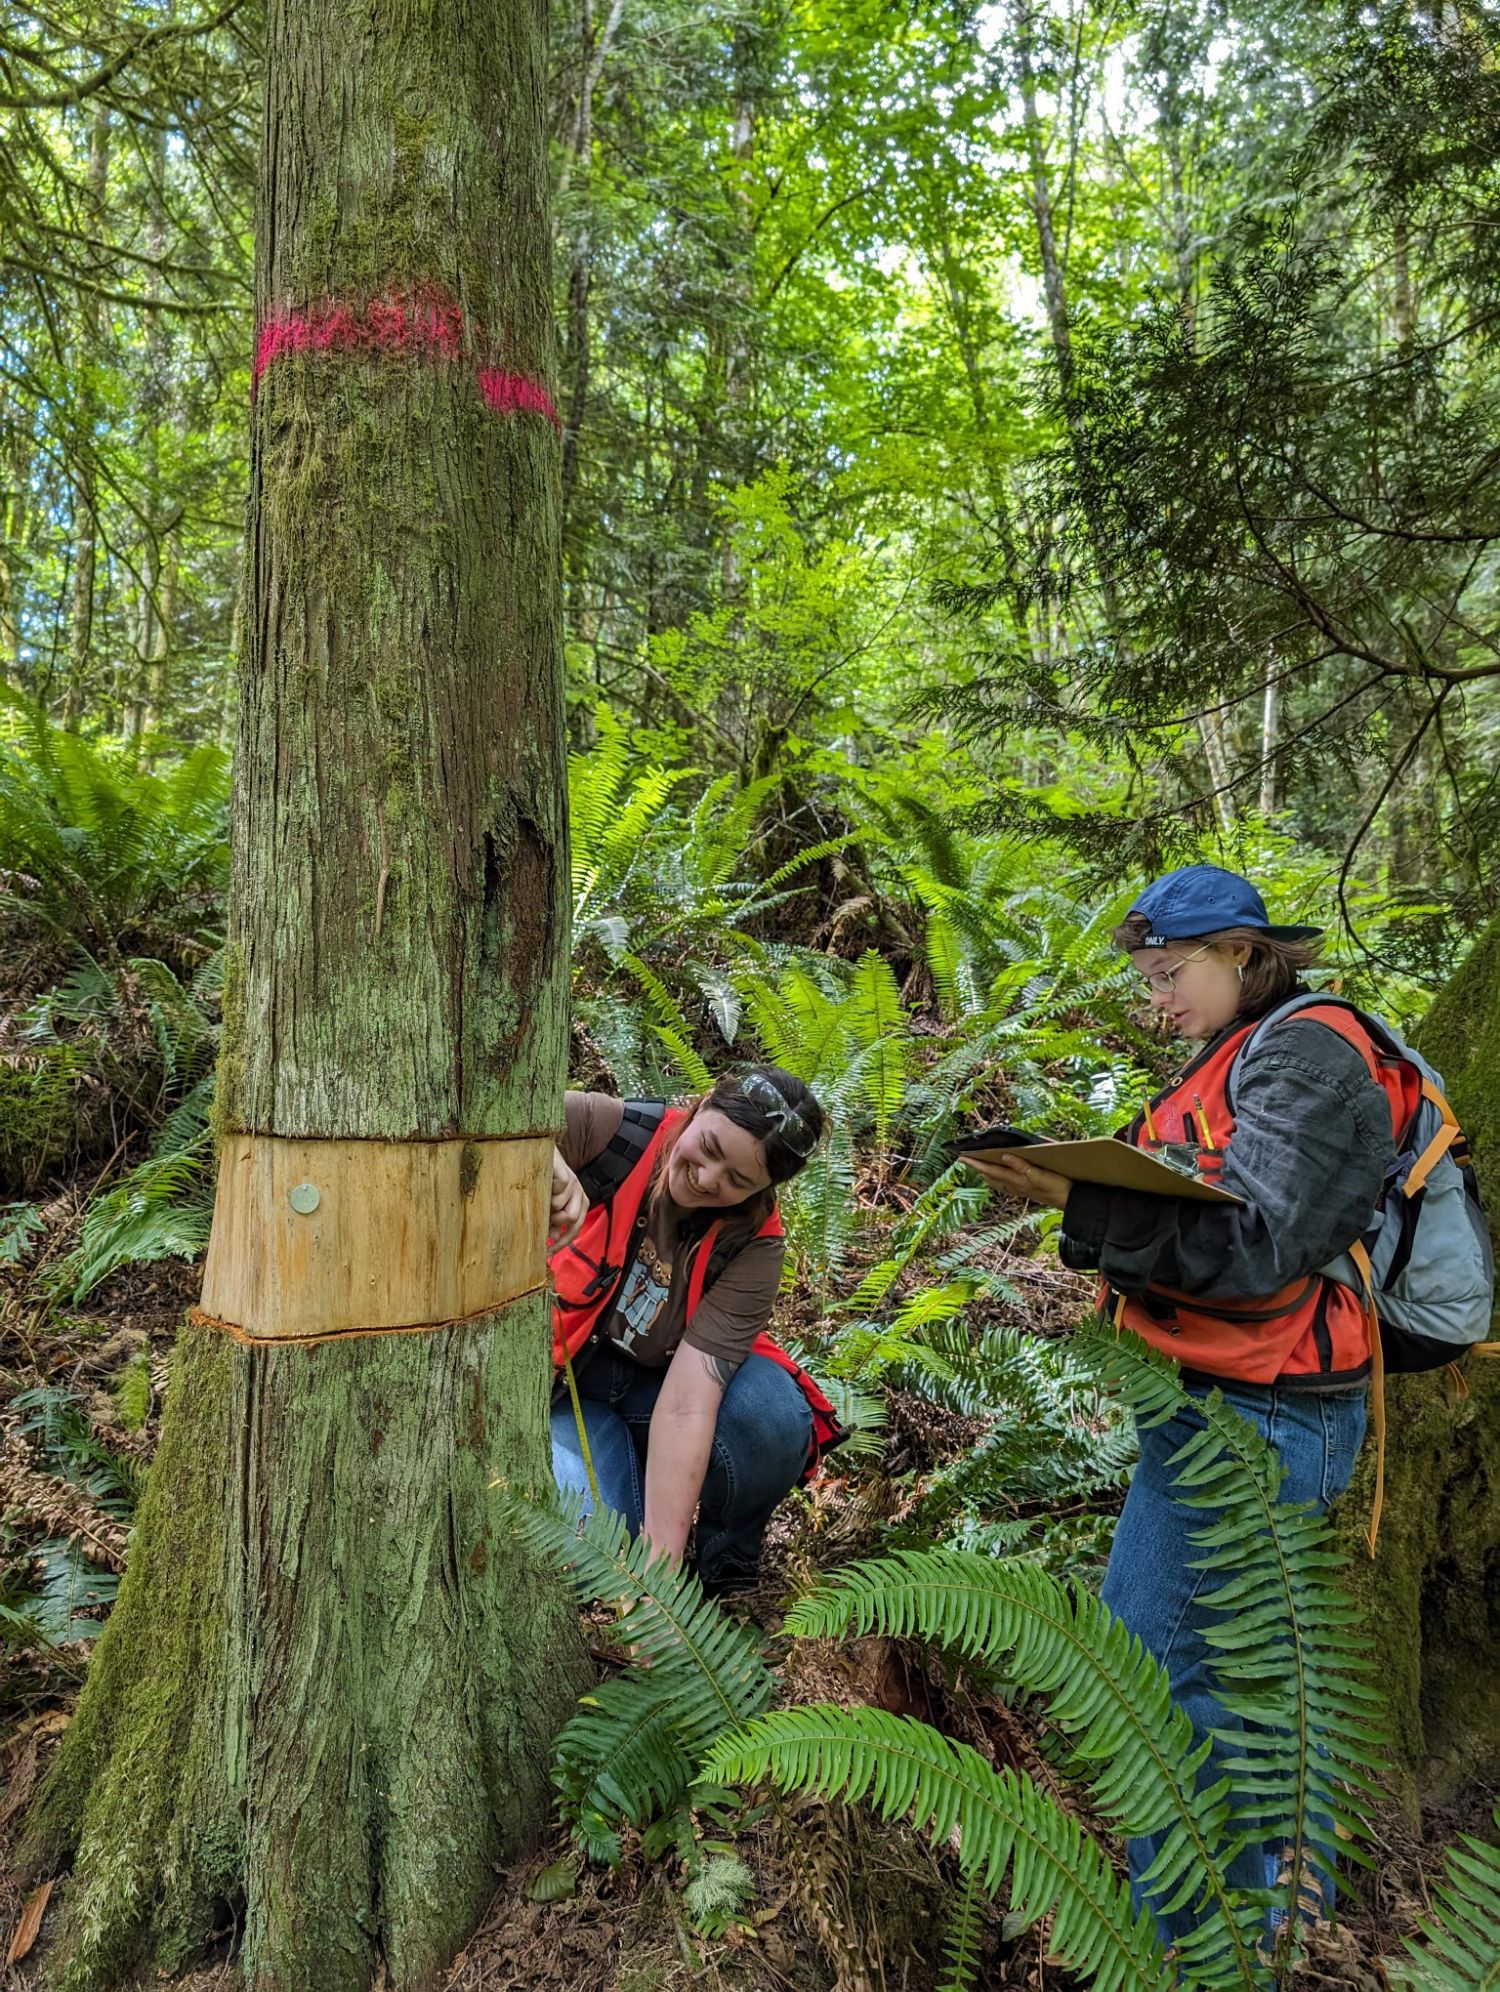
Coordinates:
760 1448
1150 1587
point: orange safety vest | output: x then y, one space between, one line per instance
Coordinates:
1313 1330
586 1277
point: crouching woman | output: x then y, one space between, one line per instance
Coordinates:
662 1296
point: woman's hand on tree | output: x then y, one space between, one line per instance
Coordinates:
1014 1176
569 1206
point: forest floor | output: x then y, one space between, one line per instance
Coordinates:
841 1903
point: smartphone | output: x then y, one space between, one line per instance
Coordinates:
996 1137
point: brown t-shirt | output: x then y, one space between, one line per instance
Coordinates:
648 1320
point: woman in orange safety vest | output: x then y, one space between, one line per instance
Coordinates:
1234 1292
666 1260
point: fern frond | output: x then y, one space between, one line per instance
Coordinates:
594 781
1106 1693
1458 1948
72 1448
818 1204
20 1225
162 1209
710 1668
619 1758
71 1587
961 1936
877 1026
1000 1819
668 1025
1292 1658
946 1205
799 1024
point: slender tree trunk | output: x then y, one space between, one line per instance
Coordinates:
154 699
1270 734
1054 291
14 529
324 1703
960 313
85 480
592 49
741 291
1054 287
139 696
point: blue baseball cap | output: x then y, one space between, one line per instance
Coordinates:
1202 899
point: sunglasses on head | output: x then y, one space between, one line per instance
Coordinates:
790 1127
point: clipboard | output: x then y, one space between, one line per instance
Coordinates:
1116 1164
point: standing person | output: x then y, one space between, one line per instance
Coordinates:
669 1263
1234 1293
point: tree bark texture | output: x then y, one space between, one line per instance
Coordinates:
325 1699
1431 1591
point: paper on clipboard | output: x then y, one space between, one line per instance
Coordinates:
1114 1163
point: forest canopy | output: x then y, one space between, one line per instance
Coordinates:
976 458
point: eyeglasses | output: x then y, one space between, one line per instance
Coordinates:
790 1127
1161 981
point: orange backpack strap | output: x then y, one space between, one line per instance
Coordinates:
1441 1142
1362 1266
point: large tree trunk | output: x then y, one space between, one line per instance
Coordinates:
326 1696
1433 1589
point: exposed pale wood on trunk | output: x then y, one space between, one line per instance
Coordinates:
323 1237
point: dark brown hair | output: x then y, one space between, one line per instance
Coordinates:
1272 973
782 1162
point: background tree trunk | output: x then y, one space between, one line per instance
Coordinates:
327 1693
1432 1590
85 471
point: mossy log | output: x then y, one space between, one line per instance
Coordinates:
1433 1588
322 1708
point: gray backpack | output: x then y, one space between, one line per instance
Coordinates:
1426 1262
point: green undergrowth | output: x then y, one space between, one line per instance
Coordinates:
659 1748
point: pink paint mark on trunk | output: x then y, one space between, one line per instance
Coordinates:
515 394
426 325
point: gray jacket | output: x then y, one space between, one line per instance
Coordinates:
1312 1142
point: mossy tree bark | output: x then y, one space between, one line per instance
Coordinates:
324 1702
1433 1589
